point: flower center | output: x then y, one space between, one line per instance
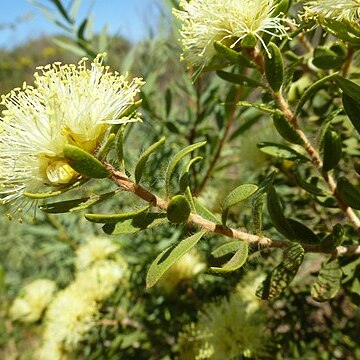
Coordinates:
60 172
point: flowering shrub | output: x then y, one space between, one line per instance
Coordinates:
251 153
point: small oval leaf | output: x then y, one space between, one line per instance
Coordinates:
239 79
238 195
178 209
349 88
169 256
333 240
233 55
227 248
332 150
328 282
274 67
84 163
136 224
236 261
302 233
281 151
352 109
309 187
349 193
286 130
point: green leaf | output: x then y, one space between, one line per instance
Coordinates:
277 216
349 193
131 226
175 160
239 79
119 146
75 204
352 109
302 233
281 151
139 168
168 101
293 256
115 218
227 248
236 261
286 130
343 29
169 256
205 212
274 67
309 187
84 163
66 45
312 90
184 177
62 10
275 283
332 241
178 209
280 277
326 58
233 55
259 201
349 88
332 149
238 195
328 281
57 192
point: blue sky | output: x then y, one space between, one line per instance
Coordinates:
129 18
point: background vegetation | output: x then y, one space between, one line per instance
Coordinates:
174 321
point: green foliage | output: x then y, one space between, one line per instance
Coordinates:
264 122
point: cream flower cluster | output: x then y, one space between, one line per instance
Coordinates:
94 250
68 104
232 328
227 21
75 310
35 297
339 10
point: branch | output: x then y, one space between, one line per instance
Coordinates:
314 155
316 160
121 180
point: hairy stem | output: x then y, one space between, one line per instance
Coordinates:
121 180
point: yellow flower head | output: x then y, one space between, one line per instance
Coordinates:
94 250
68 104
35 297
227 21
69 317
99 281
225 330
